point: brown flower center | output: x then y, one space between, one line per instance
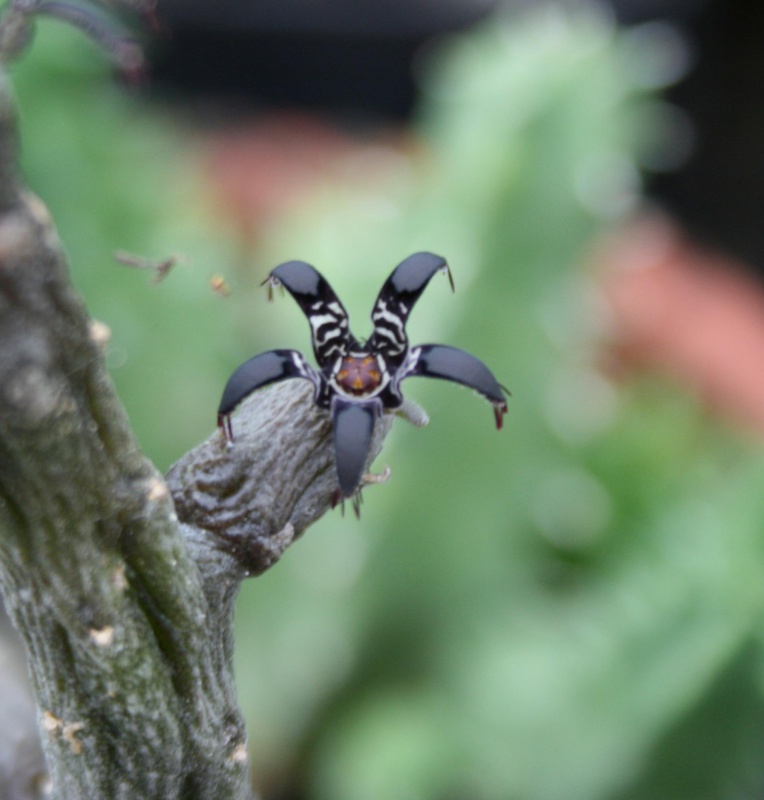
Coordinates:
359 376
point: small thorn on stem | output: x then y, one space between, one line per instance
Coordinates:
357 499
224 423
338 499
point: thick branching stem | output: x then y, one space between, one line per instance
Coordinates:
121 583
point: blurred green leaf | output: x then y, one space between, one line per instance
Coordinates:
535 610
116 175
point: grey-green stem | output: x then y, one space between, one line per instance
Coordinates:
120 582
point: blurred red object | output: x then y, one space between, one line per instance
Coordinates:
691 313
258 170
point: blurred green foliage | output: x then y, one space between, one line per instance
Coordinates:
567 609
539 613
117 175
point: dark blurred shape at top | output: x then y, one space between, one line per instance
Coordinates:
718 194
349 56
355 57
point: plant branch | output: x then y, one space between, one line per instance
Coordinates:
122 584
